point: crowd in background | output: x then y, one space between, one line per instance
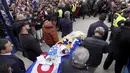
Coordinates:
37 21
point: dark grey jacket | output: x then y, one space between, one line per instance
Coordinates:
96 47
66 67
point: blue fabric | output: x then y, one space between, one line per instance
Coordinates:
126 70
30 68
35 4
76 44
128 66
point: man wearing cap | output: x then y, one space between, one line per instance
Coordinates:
31 48
77 64
99 23
5 56
96 47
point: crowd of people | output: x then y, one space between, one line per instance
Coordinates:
39 21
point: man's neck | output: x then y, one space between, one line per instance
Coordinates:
97 34
24 32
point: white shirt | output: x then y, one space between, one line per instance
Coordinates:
6 54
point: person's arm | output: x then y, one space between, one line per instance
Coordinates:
71 26
105 50
105 35
89 31
54 35
35 46
120 23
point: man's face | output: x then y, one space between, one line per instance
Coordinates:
8 48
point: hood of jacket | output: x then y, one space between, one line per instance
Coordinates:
48 25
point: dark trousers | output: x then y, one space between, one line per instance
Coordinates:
58 25
73 16
118 64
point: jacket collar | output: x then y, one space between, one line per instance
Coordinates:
101 21
6 54
97 37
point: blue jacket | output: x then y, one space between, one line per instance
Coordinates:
16 64
66 26
94 26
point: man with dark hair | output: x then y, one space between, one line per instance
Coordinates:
101 23
53 21
6 56
5 68
30 46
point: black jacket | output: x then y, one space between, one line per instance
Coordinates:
66 26
96 47
16 64
120 46
31 48
66 67
124 41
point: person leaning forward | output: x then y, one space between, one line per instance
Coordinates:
96 47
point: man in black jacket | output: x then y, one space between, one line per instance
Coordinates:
119 48
5 56
96 47
30 46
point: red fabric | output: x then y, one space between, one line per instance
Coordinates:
41 71
77 11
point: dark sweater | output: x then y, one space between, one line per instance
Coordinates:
30 46
96 47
